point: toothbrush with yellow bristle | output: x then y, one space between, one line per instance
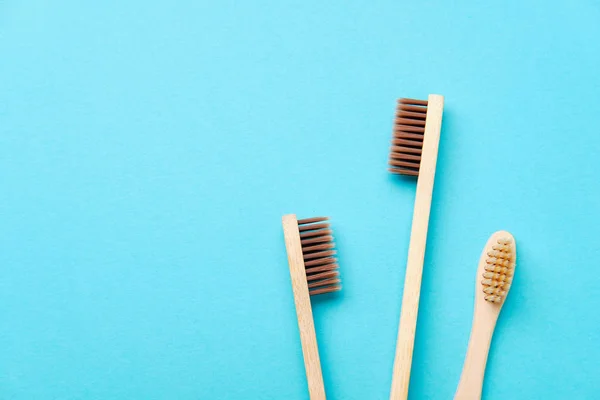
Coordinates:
494 277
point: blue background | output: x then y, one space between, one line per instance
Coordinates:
148 150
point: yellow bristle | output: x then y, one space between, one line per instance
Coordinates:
499 270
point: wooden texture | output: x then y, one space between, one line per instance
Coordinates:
416 251
485 316
306 325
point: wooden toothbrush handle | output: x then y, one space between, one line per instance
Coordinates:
306 325
471 379
416 251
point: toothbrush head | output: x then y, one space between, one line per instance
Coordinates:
318 250
407 142
498 270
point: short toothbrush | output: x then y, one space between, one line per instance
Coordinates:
492 283
313 271
414 152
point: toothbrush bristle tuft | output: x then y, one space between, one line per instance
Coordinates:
318 250
499 270
407 143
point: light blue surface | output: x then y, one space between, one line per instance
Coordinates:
149 149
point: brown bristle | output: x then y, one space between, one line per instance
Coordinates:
499 270
407 143
318 250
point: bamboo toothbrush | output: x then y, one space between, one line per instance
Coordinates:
414 152
313 270
494 277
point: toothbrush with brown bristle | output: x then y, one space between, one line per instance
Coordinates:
494 278
414 152
313 270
